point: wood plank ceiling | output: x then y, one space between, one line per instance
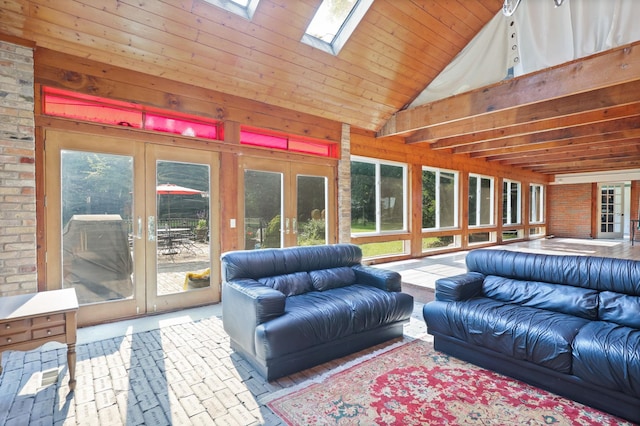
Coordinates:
562 120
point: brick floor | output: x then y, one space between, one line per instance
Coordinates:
181 374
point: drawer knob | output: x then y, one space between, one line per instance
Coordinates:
9 340
49 332
8 326
48 318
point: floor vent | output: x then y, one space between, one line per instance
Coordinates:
49 377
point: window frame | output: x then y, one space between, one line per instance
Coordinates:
456 196
245 12
540 203
491 201
506 197
344 32
377 178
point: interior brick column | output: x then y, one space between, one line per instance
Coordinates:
17 171
344 186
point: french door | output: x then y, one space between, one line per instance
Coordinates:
611 205
123 225
284 204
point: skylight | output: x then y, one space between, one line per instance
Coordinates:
334 22
244 8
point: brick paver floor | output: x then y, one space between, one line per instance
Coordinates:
182 374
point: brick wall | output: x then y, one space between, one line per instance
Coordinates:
570 210
17 172
344 186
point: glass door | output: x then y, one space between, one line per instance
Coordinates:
180 228
93 212
611 211
285 204
114 235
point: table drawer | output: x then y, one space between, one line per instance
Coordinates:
49 331
10 339
12 327
49 319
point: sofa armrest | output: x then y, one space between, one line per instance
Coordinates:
381 278
246 303
459 287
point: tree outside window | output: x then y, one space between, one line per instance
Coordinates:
439 199
377 196
480 200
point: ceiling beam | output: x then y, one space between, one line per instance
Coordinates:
613 67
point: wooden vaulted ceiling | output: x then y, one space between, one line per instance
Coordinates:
578 117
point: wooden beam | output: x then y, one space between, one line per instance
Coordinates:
607 103
613 67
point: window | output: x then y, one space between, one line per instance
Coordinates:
511 202
439 198
480 200
62 103
536 203
244 8
378 196
285 142
333 24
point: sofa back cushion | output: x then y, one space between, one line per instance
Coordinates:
257 264
289 284
326 279
570 300
620 309
596 273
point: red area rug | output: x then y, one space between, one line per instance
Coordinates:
414 385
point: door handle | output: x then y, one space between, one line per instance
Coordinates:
151 228
139 233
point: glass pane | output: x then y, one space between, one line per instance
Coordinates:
514 204
311 210
262 209
428 199
447 201
182 226
96 193
391 198
329 18
485 202
363 197
473 201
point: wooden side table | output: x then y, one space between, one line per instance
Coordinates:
28 321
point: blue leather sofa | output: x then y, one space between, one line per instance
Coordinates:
568 324
289 309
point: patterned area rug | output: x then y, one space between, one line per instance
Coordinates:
414 385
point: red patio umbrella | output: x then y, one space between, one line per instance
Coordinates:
171 189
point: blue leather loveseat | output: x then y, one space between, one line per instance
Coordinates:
286 310
568 324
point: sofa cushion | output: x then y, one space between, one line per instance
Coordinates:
569 300
316 317
608 355
289 284
536 335
325 279
620 309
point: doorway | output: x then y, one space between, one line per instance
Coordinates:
285 204
124 225
611 208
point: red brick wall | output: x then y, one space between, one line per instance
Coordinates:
569 210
